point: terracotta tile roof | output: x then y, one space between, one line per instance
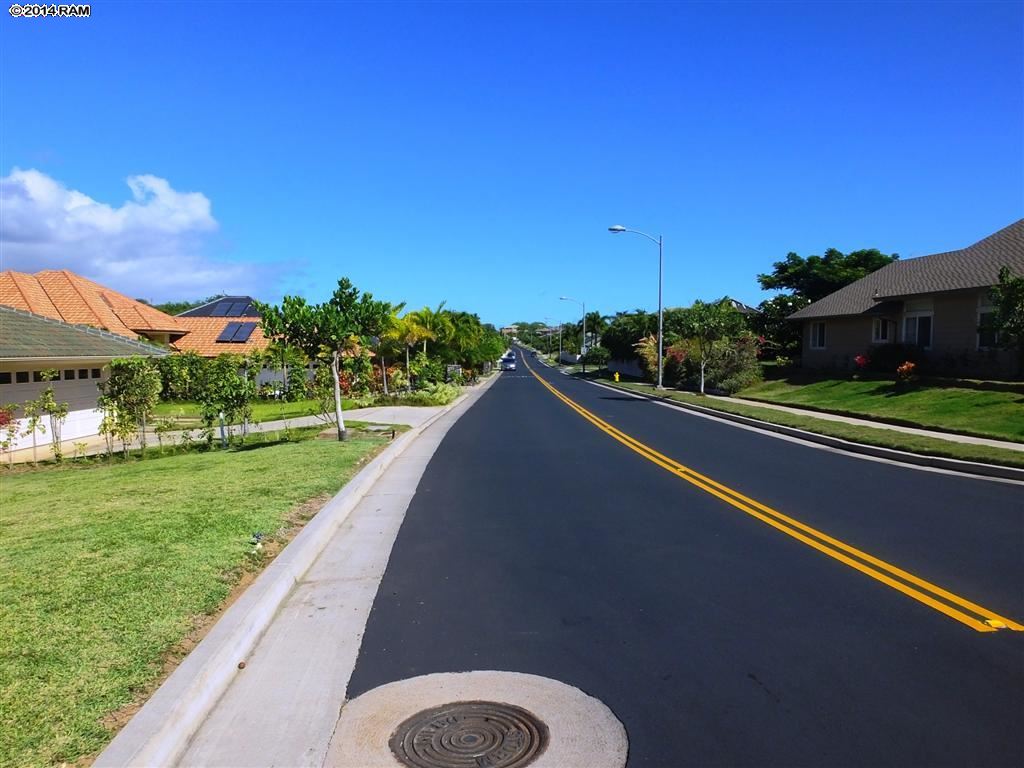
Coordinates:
63 295
976 266
24 336
203 332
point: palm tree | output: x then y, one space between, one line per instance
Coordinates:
408 331
596 325
434 323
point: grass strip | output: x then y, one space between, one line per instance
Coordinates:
883 438
106 567
997 414
187 413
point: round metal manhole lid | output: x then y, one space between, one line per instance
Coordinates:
470 734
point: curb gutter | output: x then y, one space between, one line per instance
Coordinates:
161 730
918 459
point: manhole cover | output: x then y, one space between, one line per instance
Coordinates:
470 734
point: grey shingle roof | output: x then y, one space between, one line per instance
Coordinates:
24 336
976 266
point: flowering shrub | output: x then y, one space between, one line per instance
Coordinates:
862 362
905 372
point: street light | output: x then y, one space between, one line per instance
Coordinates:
616 230
583 347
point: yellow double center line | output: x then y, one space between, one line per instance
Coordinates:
956 607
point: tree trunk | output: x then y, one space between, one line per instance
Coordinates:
408 374
337 396
384 374
702 364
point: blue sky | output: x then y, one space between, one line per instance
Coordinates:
478 152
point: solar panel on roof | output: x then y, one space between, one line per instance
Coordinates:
220 309
229 332
237 308
244 331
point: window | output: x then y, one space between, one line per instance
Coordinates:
83 373
37 375
21 377
881 332
987 337
95 373
818 335
917 329
5 377
69 374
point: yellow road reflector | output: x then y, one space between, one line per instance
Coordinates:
966 612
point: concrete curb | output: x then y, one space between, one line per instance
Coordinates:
160 732
921 460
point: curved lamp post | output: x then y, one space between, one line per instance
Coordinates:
583 348
619 228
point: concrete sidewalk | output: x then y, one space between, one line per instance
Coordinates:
266 685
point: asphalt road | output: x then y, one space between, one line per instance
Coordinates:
538 543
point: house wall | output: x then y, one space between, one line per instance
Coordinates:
954 349
80 395
845 338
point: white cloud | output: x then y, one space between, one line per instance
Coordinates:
151 246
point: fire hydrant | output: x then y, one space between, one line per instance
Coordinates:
616 376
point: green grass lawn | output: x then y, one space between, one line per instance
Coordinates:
968 411
105 567
262 410
885 438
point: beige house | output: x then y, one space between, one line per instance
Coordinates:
937 303
31 346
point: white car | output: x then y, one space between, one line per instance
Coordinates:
508 364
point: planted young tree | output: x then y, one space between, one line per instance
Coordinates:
228 390
45 406
321 331
709 324
8 430
128 398
56 413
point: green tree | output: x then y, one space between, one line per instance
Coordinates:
708 324
782 336
434 324
815 277
128 398
181 375
625 330
1008 314
322 331
227 388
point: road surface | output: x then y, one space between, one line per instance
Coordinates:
736 599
